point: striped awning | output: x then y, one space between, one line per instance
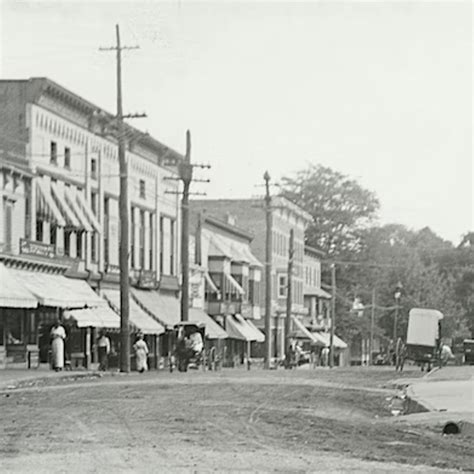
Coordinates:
69 194
87 211
97 317
234 283
237 327
61 202
46 205
138 317
13 293
213 330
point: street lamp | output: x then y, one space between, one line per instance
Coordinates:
397 295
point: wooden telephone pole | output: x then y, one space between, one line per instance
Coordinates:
268 273
289 296
333 314
123 209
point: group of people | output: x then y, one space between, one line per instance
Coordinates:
58 337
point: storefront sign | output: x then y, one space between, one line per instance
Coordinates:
39 249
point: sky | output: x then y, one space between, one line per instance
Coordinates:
380 91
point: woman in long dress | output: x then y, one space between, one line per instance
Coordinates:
141 353
58 334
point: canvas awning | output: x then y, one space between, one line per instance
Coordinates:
258 335
213 329
70 197
234 283
98 317
46 204
88 211
138 316
211 283
57 290
319 292
166 309
13 293
302 332
324 338
67 212
238 328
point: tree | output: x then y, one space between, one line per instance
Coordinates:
339 205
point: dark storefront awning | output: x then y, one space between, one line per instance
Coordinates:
164 308
138 317
13 293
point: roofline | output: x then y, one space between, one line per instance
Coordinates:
228 227
309 249
44 83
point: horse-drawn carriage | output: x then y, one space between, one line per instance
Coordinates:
188 346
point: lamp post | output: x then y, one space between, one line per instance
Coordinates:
397 295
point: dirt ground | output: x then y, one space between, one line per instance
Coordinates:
286 421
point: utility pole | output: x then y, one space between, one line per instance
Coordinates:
186 175
123 207
333 314
289 296
372 325
268 273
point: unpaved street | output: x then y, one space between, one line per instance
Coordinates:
230 420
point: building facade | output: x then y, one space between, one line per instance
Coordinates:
249 214
60 203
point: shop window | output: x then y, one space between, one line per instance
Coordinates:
53 159
67 158
94 202
79 248
67 242
39 230
94 168
94 247
52 234
14 327
142 239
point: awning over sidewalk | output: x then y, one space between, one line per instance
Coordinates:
46 205
302 332
259 336
98 317
324 338
138 317
57 290
164 308
319 292
13 293
238 328
213 329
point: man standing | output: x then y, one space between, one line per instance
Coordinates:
103 346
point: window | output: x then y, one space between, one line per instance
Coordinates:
8 223
27 210
142 239
53 153
254 292
94 203
94 168
79 245
67 158
106 230
94 247
67 242
150 244
142 189
282 284
52 234
39 230
172 225
161 244
132 240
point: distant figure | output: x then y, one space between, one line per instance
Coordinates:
446 354
141 353
400 355
58 335
325 356
196 342
103 346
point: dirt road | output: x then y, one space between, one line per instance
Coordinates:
225 421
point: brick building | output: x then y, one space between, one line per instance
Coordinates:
249 215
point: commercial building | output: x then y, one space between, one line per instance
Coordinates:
59 221
249 215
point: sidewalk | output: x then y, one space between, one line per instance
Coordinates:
11 378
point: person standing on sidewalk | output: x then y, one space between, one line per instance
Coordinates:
58 335
141 353
103 346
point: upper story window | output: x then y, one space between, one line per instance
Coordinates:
142 189
94 202
67 158
282 286
53 159
94 168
